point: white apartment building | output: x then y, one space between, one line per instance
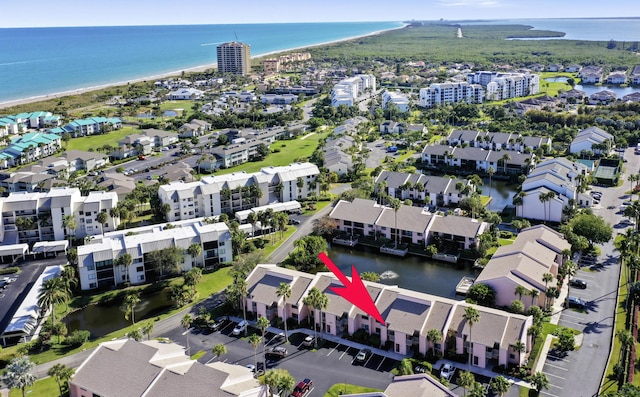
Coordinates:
350 89
97 265
397 98
506 85
32 217
217 194
439 94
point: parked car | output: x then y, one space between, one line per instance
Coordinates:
419 369
575 282
302 388
241 327
277 352
576 302
447 371
362 355
294 222
309 341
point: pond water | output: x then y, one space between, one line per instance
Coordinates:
103 319
501 193
592 89
167 113
419 274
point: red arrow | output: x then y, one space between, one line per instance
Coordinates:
354 291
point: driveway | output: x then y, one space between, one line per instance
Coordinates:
579 373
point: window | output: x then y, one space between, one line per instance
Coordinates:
512 356
139 269
365 317
141 278
92 277
92 285
81 213
91 267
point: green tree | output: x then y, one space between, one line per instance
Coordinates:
466 380
316 300
254 340
51 292
186 322
594 228
534 293
279 381
164 261
471 316
130 301
477 390
539 381
396 204
305 255
125 260
482 294
566 340
147 329
192 278
102 218
17 374
62 374
194 251
218 350
284 292
500 385
405 367
370 276
520 290
69 224
517 306
434 336
262 324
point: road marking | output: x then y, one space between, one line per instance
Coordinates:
548 394
367 362
572 322
332 350
572 316
379 365
555 376
555 366
557 387
343 353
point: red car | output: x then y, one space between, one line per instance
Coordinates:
302 388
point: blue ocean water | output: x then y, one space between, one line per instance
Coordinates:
43 61
600 29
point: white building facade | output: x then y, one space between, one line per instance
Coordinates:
443 93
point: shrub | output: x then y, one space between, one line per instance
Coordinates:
78 338
10 270
505 234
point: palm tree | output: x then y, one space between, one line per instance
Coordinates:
570 270
61 374
520 347
500 385
284 292
102 218
434 336
547 278
534 293
51 292
218 350
254 340
252 218
262 324
130 302
125 260
539 381
544 197
626 340
466 380
70 224
490 172
147 329
633 178
316 300
506 157
194 251
520 290
243 290
17 374
68 283
395 204
471 316
186 322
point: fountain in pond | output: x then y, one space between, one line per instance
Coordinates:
389 274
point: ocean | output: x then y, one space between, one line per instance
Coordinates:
44 61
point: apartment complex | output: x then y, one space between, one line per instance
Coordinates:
29 147
505 85
97 261
347 91
32 217
498 140
234 57
400 100
409 316
443 93
214 195
425 189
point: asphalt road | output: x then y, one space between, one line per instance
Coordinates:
579 373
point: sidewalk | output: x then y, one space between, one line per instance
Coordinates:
481 371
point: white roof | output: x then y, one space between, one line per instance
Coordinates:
276 207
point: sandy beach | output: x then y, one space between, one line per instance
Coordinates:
174 73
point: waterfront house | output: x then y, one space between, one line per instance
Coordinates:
184 94
590 137
154 368
573 95
573 68
555 67
635 75
633 97
537 250
426 189
89 126
591 74
602 97
409 315
497 140
617 78
477 159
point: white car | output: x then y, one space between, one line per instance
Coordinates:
447 371
241 327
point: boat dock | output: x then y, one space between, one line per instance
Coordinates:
463 286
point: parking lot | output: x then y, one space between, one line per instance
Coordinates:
331 363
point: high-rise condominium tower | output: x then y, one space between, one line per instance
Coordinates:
234 57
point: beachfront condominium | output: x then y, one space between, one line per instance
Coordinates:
442 93
347 91
501 86
234 57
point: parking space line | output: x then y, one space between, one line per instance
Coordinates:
332 350
557 387
558 358
548 394
380 365
367 362
572 316
572 322
343 353
555 376
555 366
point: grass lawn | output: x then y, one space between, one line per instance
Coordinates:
269 248
290 151
97 141
344 388
505 241
211 283
485 200
46 387
198 355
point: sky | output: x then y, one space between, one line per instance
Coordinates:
44 13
